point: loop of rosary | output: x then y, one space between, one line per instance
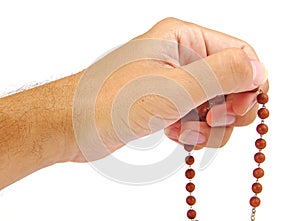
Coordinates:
259 157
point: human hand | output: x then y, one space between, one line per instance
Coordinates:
158 80
221 113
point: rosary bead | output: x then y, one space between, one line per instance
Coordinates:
202 112
191 214
262 98
262 129
257 188
255 201
263 113
190 187
259 157
188 148
260 143
190 173
191 200
258 173
189 160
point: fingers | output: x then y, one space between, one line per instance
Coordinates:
230 67
219 121
229 71
216 41
239 110
248 118
201 134
235 71
213 41
241 103
189 133
230 64
202 40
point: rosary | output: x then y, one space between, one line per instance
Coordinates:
259 157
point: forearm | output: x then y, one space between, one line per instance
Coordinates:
36 129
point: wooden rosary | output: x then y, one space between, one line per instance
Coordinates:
259 157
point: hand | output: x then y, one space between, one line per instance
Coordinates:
240 106
146 95
157 80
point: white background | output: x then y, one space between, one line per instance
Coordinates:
43 40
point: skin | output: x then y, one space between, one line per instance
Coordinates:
36 126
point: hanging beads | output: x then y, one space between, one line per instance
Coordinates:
259 157
190 187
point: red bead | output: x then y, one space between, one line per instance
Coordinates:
262 128
259 157
189 160
190 187
255 201
188 148
258 173
263 113
190 173
202 112
191 214
257 188
262 98
260 143
191 200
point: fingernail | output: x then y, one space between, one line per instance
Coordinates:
251 104
223 121
249 108
191 137
259 72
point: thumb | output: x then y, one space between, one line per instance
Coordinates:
226 72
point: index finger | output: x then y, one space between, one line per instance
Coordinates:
207 41
202 40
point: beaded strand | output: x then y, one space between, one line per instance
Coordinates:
190 187
259 157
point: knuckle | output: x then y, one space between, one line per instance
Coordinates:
169 20
169 23
163 28
249 50
238 60
239 66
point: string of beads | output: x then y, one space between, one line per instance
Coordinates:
190 187
259 157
